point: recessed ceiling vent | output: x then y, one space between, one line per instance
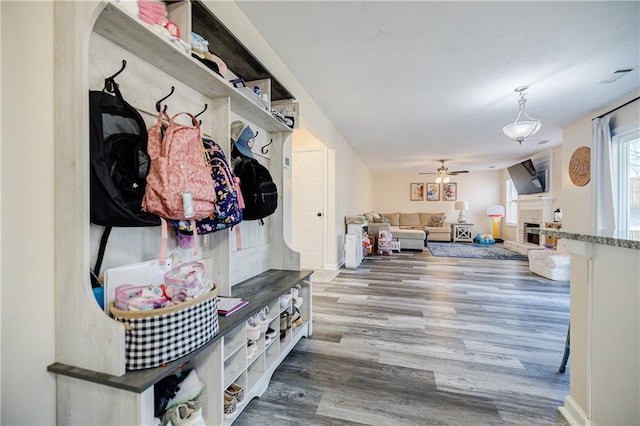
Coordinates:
619 73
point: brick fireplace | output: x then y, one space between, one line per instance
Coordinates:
532 213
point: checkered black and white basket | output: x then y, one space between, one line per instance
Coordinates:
153 338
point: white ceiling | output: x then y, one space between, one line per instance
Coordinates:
409 83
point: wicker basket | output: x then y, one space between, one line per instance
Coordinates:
155 337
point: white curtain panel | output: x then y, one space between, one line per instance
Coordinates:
604 215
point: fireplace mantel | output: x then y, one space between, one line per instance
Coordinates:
538 203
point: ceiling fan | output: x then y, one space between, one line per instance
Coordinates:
442 173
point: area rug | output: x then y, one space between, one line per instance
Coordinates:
473 250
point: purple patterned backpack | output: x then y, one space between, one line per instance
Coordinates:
229 202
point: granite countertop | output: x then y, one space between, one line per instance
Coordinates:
609 241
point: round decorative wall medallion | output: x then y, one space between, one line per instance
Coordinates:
580 166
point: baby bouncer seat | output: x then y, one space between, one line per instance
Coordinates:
384 241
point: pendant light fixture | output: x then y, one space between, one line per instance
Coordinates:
519 130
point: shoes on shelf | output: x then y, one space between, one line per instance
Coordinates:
297 302
190 389
253 330
285 299
163 391
263 320
284 319
271 333
296 319
230 406
251 348
236 391
189 414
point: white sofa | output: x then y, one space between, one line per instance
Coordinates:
552 264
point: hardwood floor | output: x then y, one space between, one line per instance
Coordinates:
411 339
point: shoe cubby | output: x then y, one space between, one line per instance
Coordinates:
234 366
272 353
235 341
229 417
256 370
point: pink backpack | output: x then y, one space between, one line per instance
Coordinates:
179 183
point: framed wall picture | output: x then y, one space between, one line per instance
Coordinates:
417 192
433 192
450 191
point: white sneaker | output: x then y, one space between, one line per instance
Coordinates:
190 389
185 415
263 321
253 330
251 348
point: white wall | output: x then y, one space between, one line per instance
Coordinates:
479 189
354 191
577 217
350 181
28 317
578 214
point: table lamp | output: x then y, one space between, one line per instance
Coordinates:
496 212
462 206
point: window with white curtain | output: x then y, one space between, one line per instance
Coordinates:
511 201
626 181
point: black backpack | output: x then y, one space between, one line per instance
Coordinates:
258 189
119 160
119 165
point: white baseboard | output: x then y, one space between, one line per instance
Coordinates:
332 266
573 413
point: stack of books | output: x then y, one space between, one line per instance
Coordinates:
228 305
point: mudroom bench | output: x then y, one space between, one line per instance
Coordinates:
128 399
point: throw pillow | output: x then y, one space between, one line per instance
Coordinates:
377 217
425 218
394 218
369 217
436 221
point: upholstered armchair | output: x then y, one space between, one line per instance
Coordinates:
552 264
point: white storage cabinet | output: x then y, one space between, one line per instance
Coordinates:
355 251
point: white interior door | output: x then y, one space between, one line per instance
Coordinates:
308 207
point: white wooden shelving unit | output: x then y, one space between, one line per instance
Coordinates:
354 248
93 385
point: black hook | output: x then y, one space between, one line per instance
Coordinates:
110 84
200 113
158 104
124 65
263 149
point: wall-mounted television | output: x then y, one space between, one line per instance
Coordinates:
527 178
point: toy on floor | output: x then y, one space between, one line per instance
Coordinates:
484 239
384 241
